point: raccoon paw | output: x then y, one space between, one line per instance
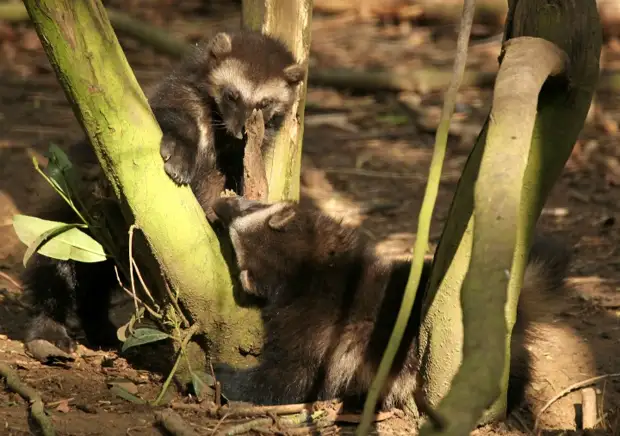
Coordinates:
228 377
47 329
179 160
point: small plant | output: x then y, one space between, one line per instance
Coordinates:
69 241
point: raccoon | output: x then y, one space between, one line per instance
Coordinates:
330 303
201 107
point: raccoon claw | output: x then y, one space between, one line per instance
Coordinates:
179 162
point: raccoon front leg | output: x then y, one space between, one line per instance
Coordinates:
60 290
266 384
179 145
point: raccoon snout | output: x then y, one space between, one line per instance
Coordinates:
228 208
237 128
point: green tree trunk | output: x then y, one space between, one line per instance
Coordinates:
114 113
514 164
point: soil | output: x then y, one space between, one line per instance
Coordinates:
366 156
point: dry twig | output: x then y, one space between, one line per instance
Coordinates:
571 388
173 423
588 408
11 280
247 426
284 409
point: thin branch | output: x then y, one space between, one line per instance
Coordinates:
190 332
133 264
10 279
424 220
135 297
571 388
173 423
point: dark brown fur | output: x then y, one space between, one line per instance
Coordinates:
330 306
202 145
203 106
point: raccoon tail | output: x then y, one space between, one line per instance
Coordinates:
543 281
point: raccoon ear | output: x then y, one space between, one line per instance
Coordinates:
278 221
294 73
221 44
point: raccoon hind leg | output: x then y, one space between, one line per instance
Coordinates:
62 290
50 287
96 284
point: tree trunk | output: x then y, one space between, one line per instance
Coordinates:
513 166
291 22
116 117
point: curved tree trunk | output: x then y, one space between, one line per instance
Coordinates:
514 164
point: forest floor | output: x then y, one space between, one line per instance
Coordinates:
365 158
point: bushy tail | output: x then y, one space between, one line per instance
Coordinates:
544 280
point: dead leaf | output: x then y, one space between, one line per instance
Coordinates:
63 407
124 384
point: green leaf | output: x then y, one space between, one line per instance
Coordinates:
60 158
202 381
68 244
143 336
121 392
44 237
60 169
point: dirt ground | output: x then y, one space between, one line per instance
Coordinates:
366 157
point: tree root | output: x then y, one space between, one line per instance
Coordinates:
37 410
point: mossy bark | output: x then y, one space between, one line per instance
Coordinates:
515 162
290 21
116 117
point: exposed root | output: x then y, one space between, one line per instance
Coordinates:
37 410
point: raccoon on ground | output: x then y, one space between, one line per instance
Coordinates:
201 107
330 303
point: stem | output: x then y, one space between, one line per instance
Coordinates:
424 220
190 332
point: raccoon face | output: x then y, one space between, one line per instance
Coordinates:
284 237
252 71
